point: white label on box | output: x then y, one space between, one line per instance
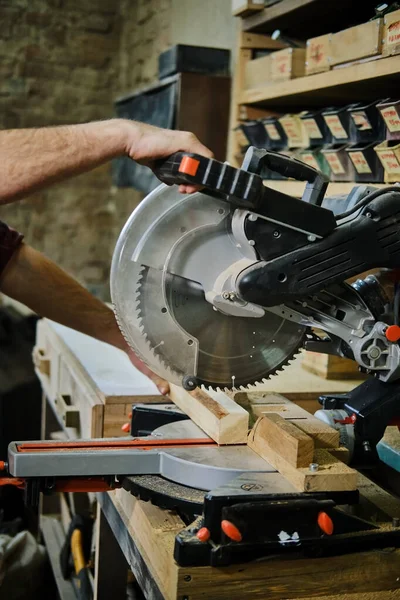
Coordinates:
393 33
361 120
359 162
335 163
292 129
336 127
312 128
389 161
309 159
272 131
391 117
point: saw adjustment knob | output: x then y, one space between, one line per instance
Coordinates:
392 333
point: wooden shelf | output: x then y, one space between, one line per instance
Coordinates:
302 19
352 81
296 188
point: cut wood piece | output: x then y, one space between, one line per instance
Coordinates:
332 474
215 413
288 441
329 366
323 435
259 404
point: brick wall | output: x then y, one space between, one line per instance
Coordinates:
65 61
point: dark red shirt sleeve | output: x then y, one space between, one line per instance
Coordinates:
9 242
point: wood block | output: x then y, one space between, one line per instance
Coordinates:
323 435
330 367
318 54
391 33
257 72
288 64
259 404
288 441
357 42
258 41
214 412
332 474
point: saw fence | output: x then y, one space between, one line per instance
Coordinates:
304 450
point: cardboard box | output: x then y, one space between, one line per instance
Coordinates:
257 72
391 33
288 64
318 54
357 42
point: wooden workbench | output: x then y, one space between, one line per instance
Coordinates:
138 534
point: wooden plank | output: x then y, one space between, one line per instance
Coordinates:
292 579
111 569
154 531
332 474
288 441
273 578
330 366
323 435
329 81
215 413
270 14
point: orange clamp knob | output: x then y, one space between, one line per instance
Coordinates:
203 534
189 166
392 333
325 523
126 428
231 531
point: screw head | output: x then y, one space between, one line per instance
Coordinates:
225 295
252 217
277 234
314 467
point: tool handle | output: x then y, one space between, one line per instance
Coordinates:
258 161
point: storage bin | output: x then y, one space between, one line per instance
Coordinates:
295 131
366 123
317 130
340 166
315 158
391 33
357 42
390 111
276 137
257 72
367 166
338 122
288 64
318 54
389 154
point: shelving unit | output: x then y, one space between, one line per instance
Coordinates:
366 79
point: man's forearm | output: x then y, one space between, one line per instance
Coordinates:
49 291
31 159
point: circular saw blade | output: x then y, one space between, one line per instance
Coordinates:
170 244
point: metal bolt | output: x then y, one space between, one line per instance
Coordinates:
277 234
252 243
314 467
369 215
225 295
253 217
232 296
187 578
311 237
366 446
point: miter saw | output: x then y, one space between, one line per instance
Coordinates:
220 289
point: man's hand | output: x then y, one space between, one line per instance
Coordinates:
147 144
37 282
33 159
162 384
